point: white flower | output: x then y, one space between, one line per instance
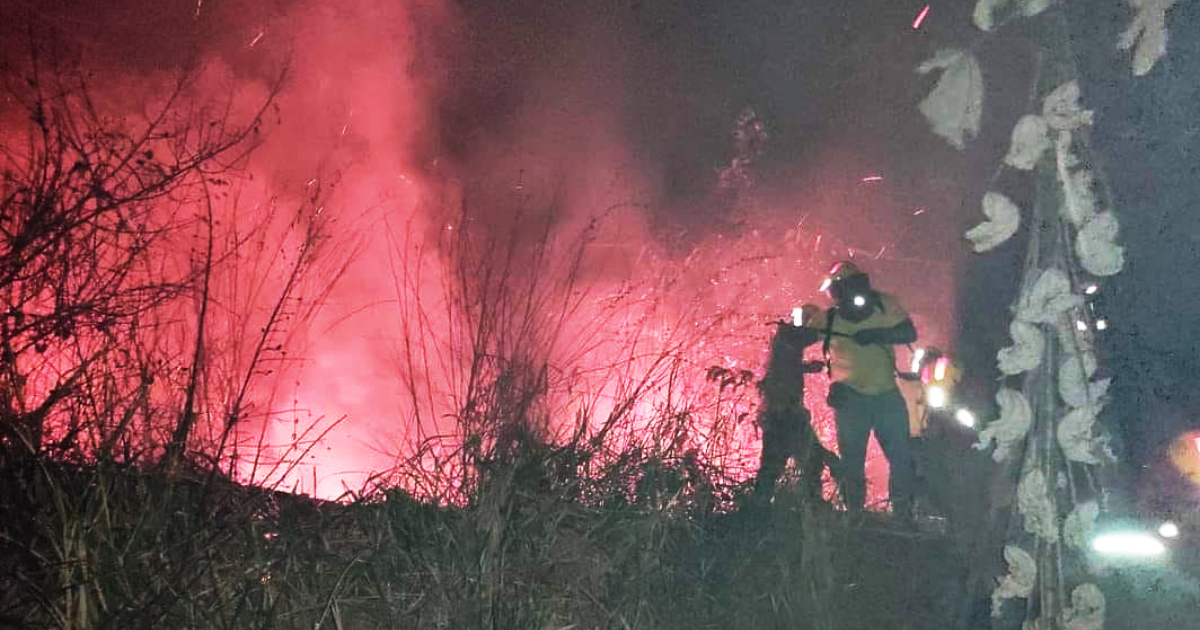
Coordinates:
1077 529
1061 108
1020 580
1049 297
1026 351
955 106
1096 247
1003 219
1087 609
1037 506
1030 139
1148 31
1010 428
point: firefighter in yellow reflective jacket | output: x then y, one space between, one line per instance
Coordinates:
859 333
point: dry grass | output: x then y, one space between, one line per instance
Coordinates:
103 547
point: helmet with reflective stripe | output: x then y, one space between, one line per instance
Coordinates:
842 270
845 278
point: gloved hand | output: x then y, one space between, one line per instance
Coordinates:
869 336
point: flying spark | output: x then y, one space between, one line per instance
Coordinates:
870 179
257 38
920 19
918 212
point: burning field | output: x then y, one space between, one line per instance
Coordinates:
381 215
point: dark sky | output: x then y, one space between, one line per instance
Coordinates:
1149 129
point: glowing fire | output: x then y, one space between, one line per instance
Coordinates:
1184 455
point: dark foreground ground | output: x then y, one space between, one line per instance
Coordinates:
102 548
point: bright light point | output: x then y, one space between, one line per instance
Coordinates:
825 284
1168 530
1091 289
798 316
1196 441
1101 324
965 417
920 19
871 179
936 397
918 354
1080 325
1129 544
860 300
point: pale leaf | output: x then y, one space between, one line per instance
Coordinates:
986 10
1020 579
1078 342
954 108
1037 506
1030 139
1026 351
1077 528
1003 220
1146 34
1010 428
1074 384
1079 198
1087 609
1096 247
1076 438
1049 297
1061 108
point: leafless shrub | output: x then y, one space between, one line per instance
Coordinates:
92 206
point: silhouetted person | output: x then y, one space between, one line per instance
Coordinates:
786 424
859 332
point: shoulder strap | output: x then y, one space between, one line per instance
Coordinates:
829 315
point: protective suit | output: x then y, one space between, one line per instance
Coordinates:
859 334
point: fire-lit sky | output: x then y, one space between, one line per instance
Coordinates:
409 101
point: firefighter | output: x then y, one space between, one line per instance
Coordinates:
859 332
786 424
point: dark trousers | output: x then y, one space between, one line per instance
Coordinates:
787 433
886 414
